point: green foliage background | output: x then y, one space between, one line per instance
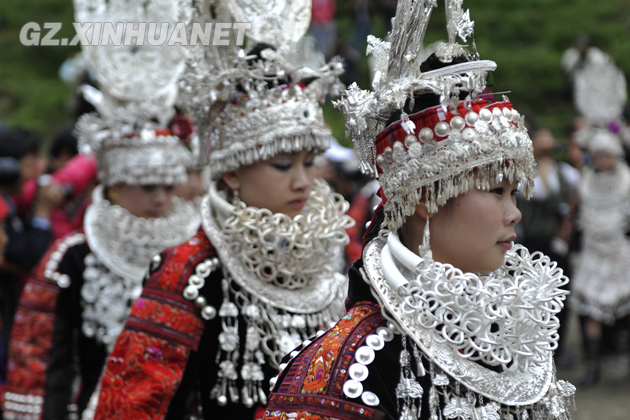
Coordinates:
526 39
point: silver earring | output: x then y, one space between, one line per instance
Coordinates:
425 249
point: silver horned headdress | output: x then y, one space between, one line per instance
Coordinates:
135 99
249 108
445 150
600 95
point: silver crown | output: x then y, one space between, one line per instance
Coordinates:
600 95
443 151
600 140
135 98
248 109
600 92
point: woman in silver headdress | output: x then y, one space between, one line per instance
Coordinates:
219 312
76 301
600 287
447 317
601 290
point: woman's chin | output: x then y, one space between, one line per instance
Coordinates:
486 267
291 212
292 215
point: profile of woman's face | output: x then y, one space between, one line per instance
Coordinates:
143 200
281 184
475 230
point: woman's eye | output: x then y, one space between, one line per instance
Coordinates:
309 163
282 165
498 191
169 188
149 188
515 192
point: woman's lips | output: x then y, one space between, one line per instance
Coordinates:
298 204
508 243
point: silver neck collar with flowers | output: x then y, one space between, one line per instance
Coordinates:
125 243
285 262
277 276
452 317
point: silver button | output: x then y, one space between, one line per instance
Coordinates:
375 342
370 398
191 292
365 355
196 281
208 313
352 388
385 333
200 302
358 372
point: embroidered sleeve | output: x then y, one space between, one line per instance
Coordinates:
142 375
33 333
146 366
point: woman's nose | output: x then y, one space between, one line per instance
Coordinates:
512 215
161 196
301 180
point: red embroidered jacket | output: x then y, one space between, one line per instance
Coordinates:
311 385
147 364
36 331
163 365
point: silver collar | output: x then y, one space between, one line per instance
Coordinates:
125 243
241 237
514 386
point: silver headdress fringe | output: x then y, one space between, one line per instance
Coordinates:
247 110
136 94
472 148
480 149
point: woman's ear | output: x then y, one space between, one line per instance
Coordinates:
423 211
111 194
232 181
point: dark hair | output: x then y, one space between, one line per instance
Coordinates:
257 50
64 140
18 142
256 55
81 105
375 226
531 124
428 100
